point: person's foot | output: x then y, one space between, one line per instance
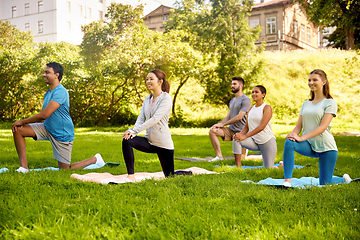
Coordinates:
287 184
347 177
99 160
22 170
216 159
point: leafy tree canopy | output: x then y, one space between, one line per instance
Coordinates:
220 29
343 14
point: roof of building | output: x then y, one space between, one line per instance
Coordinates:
269 3
159 11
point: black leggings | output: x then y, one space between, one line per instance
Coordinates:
166 156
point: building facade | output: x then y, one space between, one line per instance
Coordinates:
53 20
284 26
154 20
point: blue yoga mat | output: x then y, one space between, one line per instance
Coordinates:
298 182
257 167
92 166
3 170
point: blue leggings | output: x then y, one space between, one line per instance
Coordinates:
327 160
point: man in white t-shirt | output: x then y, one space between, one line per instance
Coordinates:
236 118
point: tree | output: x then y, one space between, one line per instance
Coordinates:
221 30
122 54
17 50
342 14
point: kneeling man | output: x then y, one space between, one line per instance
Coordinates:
236 118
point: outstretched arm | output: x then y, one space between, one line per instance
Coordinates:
325 122
44 114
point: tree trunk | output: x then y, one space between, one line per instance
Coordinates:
176 94
349 39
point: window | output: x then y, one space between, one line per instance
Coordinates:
302 32
100 15
296 30
40 26
13 12
27 8
80 10
40 6
100 1
308 35
89 13
271 25
68 6
254 22
27 27
69 26
165 17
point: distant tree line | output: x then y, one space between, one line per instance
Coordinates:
105 74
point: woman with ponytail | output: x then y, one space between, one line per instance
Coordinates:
154 118
315 123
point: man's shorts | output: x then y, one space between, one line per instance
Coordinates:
228 134
61 150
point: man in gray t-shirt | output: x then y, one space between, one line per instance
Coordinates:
236 118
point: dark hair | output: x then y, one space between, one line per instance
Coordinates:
262 89
326 86
57 68
165 86
239 79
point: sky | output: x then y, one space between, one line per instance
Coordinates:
151 5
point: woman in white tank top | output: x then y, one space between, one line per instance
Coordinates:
257 134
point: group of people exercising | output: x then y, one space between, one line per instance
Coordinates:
249 127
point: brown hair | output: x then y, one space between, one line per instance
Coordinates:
326 86
239 79
165 86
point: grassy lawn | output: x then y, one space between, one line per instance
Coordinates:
51 205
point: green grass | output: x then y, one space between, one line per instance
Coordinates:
51 205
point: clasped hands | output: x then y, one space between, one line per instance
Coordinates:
294 137
16 125
216 126
127 135
239 137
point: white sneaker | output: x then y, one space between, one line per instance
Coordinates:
215 159
22 170
99 160
287 184
347 177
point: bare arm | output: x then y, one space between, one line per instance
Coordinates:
325 122
221 124
44 114
267 114
234 119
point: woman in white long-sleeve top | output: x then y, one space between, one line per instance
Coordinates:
154 118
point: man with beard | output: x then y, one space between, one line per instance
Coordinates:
53 123
236 118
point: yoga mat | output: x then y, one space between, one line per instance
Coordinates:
298 182
195 159
106 178
257 167
92 166
43 169
2 170
95 166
